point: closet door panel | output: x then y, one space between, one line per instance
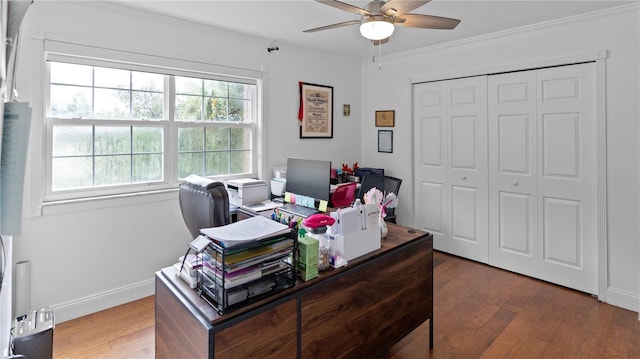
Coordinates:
514 221
431 142
512 171
431 208
563 242
455 164
567 183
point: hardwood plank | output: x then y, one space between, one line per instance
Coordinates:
480 312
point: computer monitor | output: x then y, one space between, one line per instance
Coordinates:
309 178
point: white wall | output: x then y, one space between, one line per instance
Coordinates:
86 258
616 31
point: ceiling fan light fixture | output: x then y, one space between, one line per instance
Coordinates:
376 27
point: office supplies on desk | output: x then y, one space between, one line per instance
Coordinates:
298 210
261 206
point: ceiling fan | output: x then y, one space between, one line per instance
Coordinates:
379 18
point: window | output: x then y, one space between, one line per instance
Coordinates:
114 129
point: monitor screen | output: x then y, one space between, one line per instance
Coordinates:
309 178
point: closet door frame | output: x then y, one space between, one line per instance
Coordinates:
599 57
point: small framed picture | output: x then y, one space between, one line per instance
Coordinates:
385 141
346 109
385 118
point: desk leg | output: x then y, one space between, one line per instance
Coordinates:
431 332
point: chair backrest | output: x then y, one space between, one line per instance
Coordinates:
344 195
370 181
392 184
204 203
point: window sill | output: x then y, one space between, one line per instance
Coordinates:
92 203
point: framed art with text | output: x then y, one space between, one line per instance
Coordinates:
385 118
385 141
316 111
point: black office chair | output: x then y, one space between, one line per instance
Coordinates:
204 203
370 181
391 184
386 184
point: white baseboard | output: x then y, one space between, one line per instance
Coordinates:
101 301
623 299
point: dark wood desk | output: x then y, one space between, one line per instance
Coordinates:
358 311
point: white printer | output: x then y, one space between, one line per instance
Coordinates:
245 191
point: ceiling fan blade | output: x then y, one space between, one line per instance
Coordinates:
401 7
333 26
426 21
344 6
380 42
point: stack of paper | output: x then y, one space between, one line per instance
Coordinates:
248 230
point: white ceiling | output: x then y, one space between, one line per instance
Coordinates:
282 22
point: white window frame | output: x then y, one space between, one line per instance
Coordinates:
82 54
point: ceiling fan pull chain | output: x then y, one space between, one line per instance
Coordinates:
380 57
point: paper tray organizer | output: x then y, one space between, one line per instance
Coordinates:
230 278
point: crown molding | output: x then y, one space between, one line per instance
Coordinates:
623 9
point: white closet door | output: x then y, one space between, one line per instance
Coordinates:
451 165
567 171
542 153
513 171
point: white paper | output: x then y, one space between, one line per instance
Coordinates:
372 215
247 230
350 220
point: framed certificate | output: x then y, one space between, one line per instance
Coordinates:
385 118
316 109
385 141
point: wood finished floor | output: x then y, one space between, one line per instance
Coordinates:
480 312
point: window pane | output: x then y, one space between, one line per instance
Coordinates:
216 109
62 73
72 172
240 110
190 163
111 103
70 101
217 139
113 78
147 168
72 140
190 139
216 88
147 81
147 105
112 140
237 90
111 170
240 139
217 163
188 108
147 140
240 161
189 86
